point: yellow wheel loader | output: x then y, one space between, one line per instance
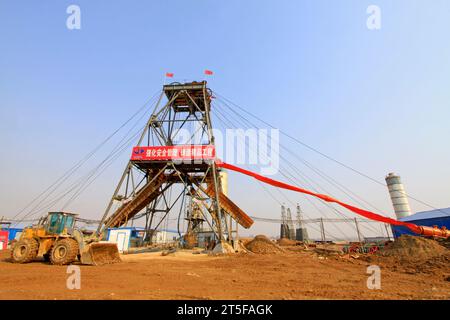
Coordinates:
56 239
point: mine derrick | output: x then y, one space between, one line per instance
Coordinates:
159 165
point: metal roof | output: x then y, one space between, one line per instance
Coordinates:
437 213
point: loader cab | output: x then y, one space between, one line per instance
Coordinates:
58 221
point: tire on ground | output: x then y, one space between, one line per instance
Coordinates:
64 251
25 250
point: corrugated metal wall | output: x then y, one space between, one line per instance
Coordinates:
440 222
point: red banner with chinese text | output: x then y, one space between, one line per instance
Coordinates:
180 152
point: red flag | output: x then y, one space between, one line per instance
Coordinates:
208 72
169 75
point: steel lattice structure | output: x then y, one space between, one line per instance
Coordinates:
144 184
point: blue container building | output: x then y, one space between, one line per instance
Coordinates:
438 217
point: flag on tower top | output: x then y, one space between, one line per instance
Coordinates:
169 74
208 72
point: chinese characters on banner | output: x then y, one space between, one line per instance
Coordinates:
184 152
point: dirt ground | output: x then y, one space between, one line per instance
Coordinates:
293 274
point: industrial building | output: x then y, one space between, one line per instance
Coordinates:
399 198
437 217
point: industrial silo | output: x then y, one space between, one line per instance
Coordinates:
398 196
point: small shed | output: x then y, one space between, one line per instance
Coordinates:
125 237
121 236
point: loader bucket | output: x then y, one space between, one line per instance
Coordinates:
99 253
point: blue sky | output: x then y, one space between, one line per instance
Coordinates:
376 100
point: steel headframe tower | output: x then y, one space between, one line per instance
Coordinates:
158 164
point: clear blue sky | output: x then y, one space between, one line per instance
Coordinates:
375 100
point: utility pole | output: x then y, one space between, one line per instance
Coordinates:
357 230
387 231
322 230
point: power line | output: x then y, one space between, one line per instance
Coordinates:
77 183
83 186
335 211
52 188
325 155
292 179
282 194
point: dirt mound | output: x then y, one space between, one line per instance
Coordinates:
245 240
446 243
413 255
286 242
413 248
263 245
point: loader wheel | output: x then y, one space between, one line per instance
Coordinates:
25 251
64 252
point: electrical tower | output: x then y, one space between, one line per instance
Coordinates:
175 154
284 231
301 232
290 224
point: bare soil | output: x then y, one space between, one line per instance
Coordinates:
414 255
412 248
286 242
292 274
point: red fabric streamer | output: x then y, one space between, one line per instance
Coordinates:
368 214
208 72
169 75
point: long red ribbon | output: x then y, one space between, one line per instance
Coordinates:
368 214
